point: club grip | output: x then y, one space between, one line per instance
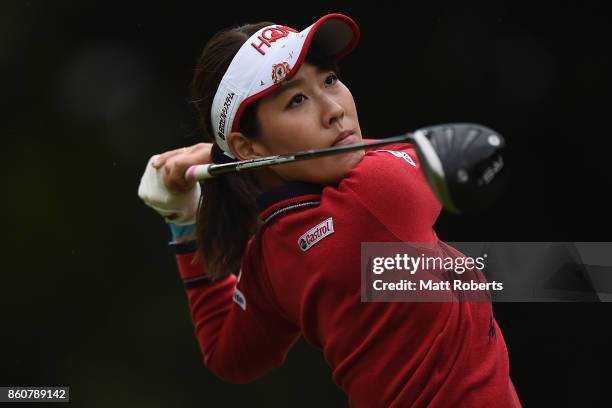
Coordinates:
198 172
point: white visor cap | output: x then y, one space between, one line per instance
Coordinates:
270 56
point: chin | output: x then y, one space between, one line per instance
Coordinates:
350 160
326 170
341 166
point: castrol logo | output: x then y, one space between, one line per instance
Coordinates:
316 234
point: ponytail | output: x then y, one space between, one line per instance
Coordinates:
226 221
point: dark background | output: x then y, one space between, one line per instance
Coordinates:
90 296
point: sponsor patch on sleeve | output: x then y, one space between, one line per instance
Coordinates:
239 298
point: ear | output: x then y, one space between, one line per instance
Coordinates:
245 148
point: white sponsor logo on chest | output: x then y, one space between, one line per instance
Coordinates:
315 234
401 155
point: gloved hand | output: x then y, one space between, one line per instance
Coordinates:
163 187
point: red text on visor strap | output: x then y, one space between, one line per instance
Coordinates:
271 35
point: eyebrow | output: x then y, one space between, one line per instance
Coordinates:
286 86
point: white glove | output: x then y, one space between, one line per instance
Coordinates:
177 208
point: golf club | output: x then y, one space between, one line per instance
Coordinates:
462 162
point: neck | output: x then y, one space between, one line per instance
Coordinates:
268 179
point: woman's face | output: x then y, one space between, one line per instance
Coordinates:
313 110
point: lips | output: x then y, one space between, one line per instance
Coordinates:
344 138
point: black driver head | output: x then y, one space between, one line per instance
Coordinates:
463 163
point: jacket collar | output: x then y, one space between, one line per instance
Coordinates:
291 196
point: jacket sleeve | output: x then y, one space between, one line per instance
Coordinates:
240 333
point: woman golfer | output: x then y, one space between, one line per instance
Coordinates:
275 254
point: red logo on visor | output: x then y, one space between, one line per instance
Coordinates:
280 71
270 35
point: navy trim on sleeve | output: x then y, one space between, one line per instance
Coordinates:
196 282
186 247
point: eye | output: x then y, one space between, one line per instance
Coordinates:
331 79
296 100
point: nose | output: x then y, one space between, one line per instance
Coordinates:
332 111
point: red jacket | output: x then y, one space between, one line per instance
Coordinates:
382 354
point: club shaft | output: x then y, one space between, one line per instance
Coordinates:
213 170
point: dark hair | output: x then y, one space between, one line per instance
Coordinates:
227 217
